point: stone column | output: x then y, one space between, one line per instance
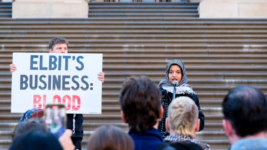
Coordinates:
50 9
233 9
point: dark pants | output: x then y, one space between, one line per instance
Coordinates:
78 134
77 142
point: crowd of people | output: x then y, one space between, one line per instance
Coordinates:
159 118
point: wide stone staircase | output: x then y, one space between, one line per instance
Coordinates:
5 10
139 39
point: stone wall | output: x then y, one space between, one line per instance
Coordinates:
50 9
233 9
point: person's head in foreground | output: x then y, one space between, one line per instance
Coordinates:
110 138
141 109
33 123
140 103
245 118
183 117
58 45
32 113
182 121
36 140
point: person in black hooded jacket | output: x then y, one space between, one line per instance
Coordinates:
175 71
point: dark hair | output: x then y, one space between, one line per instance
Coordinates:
246 109
33 123
140 103
36 139
110 138
57 40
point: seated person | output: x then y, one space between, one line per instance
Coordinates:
183 122
142 110
110 138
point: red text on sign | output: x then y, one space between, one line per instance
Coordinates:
74 101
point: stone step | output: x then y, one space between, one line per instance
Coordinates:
170 6
120 27
5 6
5 14
134 37
211 103
187 57
86 34
190 75
198 86
142 14
211 135
133 56
137 57
143 4
5 10
132 21
176 42
188 62
213 126
6 55
239 62
218 144
143 10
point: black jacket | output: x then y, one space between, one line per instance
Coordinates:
77 130
165 102
180 146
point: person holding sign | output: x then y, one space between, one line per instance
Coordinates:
74 121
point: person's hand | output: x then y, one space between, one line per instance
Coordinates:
101 77
65 140
12 68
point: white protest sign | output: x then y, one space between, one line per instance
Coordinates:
70 79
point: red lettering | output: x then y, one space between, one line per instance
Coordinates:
58 99
75 97
68 103
44 101
37 101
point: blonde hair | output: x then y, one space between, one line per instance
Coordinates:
182 115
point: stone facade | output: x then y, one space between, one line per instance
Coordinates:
50 9
233 9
